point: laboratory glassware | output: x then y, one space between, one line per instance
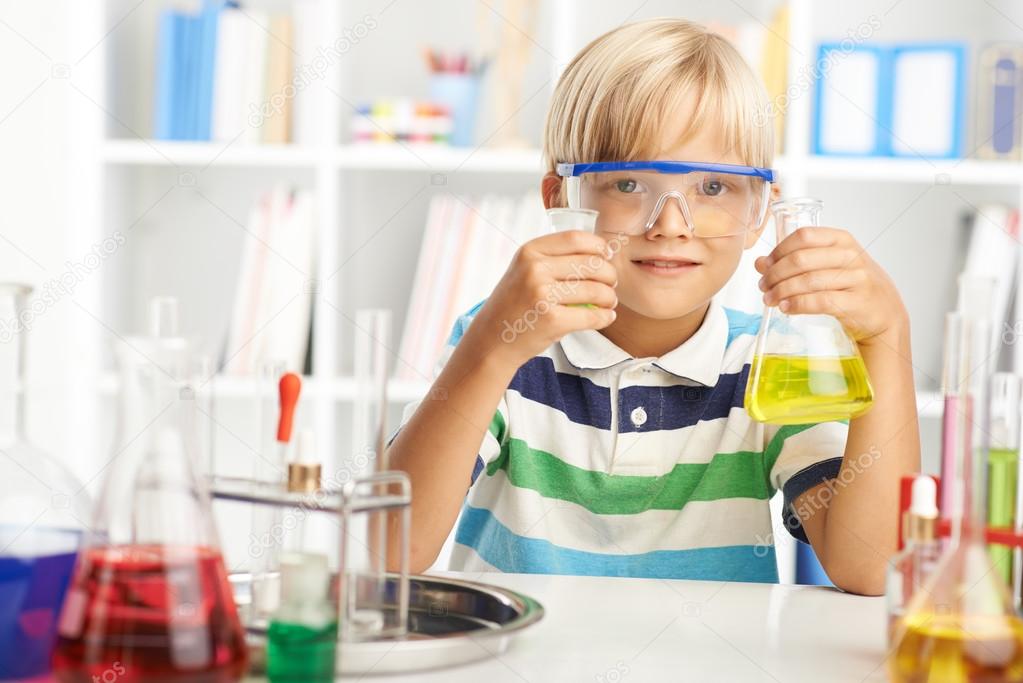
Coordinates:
805 368
42 511
149 590
911 566
962 625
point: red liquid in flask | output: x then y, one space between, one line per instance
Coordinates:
150 614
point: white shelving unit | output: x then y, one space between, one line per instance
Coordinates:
113 161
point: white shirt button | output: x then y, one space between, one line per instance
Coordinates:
638 417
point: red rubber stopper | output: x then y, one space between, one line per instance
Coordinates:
290 386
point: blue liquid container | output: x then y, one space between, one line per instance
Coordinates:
41 504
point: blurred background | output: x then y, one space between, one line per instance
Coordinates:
279 165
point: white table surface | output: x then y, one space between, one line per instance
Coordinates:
615 630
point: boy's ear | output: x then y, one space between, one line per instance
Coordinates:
550 188
753 235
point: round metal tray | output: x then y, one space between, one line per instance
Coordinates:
451 622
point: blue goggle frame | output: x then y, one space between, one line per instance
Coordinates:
569 170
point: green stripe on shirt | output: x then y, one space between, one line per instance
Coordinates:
728 475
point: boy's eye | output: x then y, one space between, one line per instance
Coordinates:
626 185
712 187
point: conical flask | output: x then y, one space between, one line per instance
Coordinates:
805 368
961 624
43 510
149 599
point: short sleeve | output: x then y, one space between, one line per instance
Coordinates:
799 457
497 431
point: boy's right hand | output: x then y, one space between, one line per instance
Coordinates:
532 306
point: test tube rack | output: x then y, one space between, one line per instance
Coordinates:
345 501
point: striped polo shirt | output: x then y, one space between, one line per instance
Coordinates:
599 463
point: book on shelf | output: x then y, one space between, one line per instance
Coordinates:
271 319
228 72
765 47
467 246
993 252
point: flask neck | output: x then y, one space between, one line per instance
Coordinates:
13 331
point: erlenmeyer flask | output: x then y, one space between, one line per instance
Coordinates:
805 368
961 625
42 512
149 599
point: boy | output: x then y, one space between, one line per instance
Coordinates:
593 404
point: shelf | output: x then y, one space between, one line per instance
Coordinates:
429 158
341 389
140 152
443 159
887 169
438 158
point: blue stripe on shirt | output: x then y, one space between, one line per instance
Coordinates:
586 403
507 551
740 322
578 398
681 406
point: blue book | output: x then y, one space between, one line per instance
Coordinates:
166 78
182 82
193 52
208 18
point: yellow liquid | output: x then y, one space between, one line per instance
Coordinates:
800 389
950 648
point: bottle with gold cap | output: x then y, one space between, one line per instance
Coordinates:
909 568
304 476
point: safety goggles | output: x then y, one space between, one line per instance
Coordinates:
716 200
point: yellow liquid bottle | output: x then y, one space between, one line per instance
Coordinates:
805 368
801 389
958 648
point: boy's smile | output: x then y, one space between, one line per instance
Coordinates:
666 265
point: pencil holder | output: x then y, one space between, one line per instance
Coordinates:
459 92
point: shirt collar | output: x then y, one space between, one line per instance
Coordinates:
697 359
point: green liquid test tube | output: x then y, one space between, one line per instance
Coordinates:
1003 467
573 219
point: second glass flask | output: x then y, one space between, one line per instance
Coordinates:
149 601
805 368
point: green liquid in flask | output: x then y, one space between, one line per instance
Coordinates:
801 389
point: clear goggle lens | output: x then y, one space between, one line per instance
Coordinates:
713 204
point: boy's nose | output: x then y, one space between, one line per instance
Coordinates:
670 217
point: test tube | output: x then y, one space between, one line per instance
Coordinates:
949 422
1003 457
372 338
562 219
269 466
572 219
367 533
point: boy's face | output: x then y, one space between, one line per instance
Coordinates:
688 270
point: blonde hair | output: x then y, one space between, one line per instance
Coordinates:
613 98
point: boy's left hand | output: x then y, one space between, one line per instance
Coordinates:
825 270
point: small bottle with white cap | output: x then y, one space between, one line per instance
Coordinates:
910 567
302 637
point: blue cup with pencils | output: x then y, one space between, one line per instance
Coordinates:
455 83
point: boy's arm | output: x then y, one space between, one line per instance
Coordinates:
856 532
535 304
437 447
852 521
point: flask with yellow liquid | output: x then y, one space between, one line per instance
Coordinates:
805 368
